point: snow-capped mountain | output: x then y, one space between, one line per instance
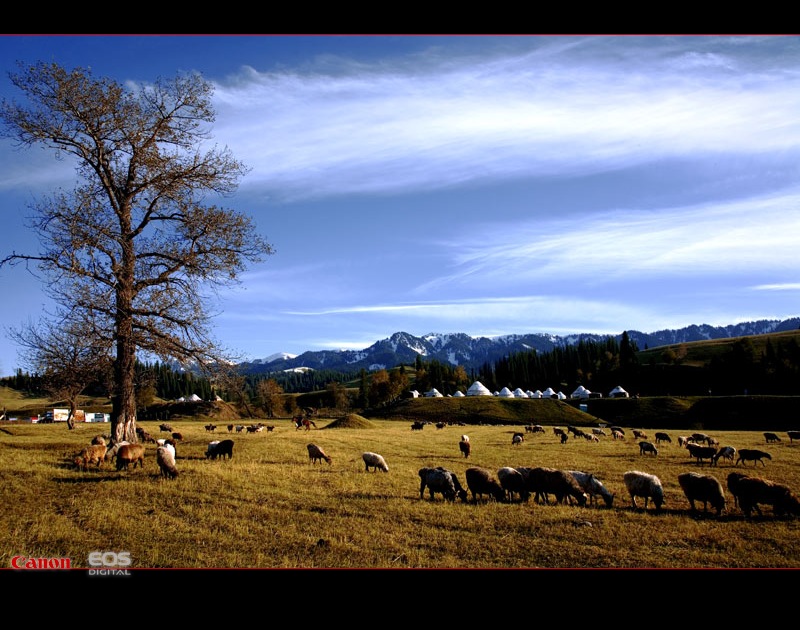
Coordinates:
473 352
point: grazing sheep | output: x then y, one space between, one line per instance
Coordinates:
239 428
512 481
465 446
701 452
703 488
793 435
93 454
726 452
752 455
663 437
543 481
482 481
111 453
417 426
230 428
177 437
316 454
733 485
220 448
617 435
593 487
211 428
442 481
598 431
165 428
98 439
534 428
700 438
165 457
682 440
130 454
616 428
144 436
374 461
642 484
754 490
564 438
639 435
517 438
558 431
771 437
647 447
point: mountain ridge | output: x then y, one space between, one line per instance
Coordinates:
473 352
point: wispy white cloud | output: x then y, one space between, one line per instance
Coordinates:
440 122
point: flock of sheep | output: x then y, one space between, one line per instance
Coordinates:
510 484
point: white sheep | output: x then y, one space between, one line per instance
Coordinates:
165 457
703 488
642 484
374 461
592 486
726 452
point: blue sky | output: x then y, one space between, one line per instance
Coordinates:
481 184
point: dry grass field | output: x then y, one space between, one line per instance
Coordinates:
269 507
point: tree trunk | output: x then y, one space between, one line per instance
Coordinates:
124 399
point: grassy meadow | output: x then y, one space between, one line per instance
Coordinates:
269 507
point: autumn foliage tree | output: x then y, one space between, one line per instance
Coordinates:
136 243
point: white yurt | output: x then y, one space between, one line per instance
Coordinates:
458 394
433 393
580 392
548 393
478 389
561 395
194 398
505 393
537 394
618 392
519 393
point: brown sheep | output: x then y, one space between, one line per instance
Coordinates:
542 481
94 454
481 481
465 447
316 454
513 483
754 490
130 454
703 488
701 452
663 437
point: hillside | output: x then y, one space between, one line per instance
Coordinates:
751 413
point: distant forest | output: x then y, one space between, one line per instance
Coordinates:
737 367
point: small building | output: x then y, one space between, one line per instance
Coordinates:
478 389
618 392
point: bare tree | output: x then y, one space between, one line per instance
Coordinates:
235 386
66 355
135 241
270 395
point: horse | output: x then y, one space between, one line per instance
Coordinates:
300 422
